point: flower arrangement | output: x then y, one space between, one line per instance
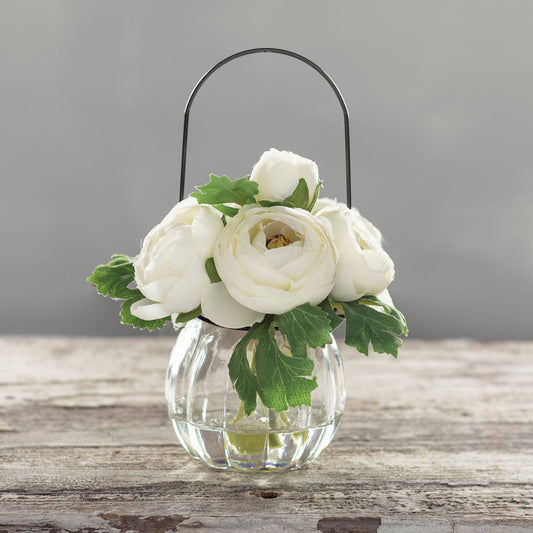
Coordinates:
263 252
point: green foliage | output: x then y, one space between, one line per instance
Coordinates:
211 270
300 196
374 300
185 317
328 306
226 210
279 379
365 326
268 203
113 279
305 325
315 196
280 370
221 190
241 375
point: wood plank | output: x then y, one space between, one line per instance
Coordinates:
439 440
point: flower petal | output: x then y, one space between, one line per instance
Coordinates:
219 307
187 292
344 290
146 309
157 290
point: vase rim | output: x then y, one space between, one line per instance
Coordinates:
206 320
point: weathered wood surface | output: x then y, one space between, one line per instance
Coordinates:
439 440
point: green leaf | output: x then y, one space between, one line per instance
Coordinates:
315 196
268 203
189 315
365 326
113 279
226 210
374 300
278 379
211 270
300 196
128 318
329 307
241 375
221 190
305 325
281 379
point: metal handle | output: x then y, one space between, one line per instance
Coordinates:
275 51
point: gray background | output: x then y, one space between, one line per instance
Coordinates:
441 103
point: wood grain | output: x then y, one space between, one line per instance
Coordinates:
439 440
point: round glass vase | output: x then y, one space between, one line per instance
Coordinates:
208 416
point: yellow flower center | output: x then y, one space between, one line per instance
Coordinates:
277 241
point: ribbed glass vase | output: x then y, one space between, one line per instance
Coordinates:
208 417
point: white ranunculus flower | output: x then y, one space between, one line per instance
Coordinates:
363 267
277 174
170 269
272 259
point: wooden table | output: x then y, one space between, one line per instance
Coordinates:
439 440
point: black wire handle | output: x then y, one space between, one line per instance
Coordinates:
275 51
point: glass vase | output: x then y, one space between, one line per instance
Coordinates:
208 416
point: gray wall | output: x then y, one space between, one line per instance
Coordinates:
441 102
